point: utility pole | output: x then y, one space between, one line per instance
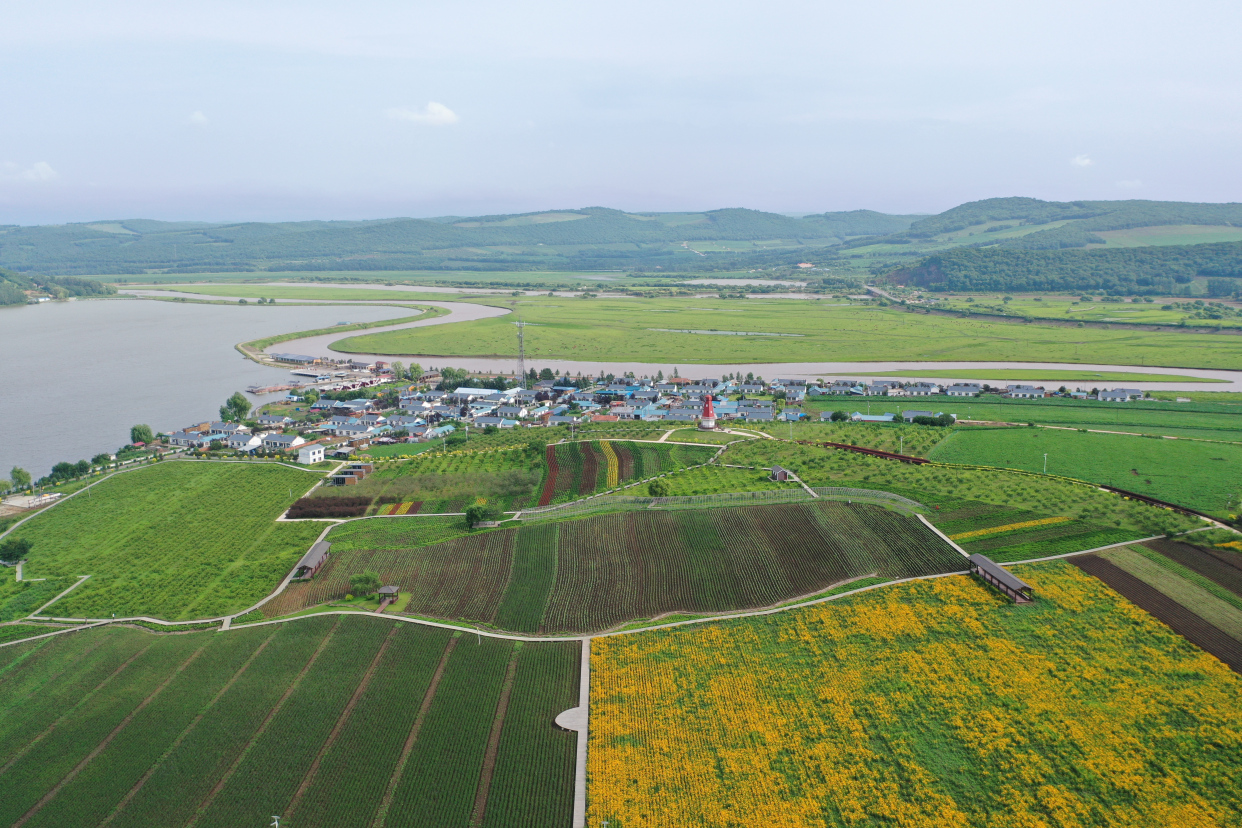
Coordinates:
521 366
1045 464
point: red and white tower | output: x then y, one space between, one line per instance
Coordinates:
708 420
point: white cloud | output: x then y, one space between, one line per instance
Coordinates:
39 171
197 118
1130 184
433 114
1081 161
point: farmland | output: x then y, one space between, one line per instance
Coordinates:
582 468
913 440
175 540
594 573
1189 473
950 488
918 704
339 721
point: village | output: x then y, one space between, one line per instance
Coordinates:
351 406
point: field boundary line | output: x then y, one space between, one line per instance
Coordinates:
381 814
1087 551
580 754
155 766
26 749
81 580
341 721
942 535
103 745
258 734
54 632
493 743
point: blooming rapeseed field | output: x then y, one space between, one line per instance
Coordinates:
932 703
613 475
1010 527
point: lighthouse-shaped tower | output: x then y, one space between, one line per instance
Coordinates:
708 420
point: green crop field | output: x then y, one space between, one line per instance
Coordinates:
1036 375
949 488
1203 420
1075 309
175 540
716 479
597 572
639 329
914 440
1199 475
578 469
340 721
923 704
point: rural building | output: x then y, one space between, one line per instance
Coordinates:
1121 395
988 571
245 442
282 442
922 389
312 561
964 389
297 359
1025 392
909 416
389 592
860 417
310 455
274 420
780 474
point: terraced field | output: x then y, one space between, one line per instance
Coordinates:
594 573
337 721
579 469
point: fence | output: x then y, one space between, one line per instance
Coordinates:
624 503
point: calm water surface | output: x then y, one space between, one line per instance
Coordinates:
77 375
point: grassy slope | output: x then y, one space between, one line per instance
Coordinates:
618 329
1027 375
1199 475
934 703
175 540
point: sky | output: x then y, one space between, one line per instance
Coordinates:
274 110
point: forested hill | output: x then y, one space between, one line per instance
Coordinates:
17 289
1128 271
588 238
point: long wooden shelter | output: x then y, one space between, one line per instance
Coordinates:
990 572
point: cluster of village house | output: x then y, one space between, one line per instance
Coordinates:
424 415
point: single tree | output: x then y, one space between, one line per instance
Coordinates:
658 488
20 477
398 371
235 407
101 459
839 416
477 513
13 550
364 583
141 434
546 374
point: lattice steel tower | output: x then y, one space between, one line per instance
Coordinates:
521 366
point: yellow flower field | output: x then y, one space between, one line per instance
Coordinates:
932 703
1009 527
614 467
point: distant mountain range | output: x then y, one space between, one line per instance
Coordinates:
598 238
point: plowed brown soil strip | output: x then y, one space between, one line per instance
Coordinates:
336 731
386 803
1184 622
1220 567
293 685
80 766
493 744
138 786
549 485
81 701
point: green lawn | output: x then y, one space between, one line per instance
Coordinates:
1200 475
612 329
175 540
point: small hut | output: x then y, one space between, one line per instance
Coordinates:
312 561
779 474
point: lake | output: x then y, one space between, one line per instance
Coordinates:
78 374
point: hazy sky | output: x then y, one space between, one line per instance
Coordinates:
272 110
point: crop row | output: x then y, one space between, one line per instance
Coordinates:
308 720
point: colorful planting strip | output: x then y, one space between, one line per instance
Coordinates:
1010 527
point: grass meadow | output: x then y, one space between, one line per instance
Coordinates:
1199 475
612 329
